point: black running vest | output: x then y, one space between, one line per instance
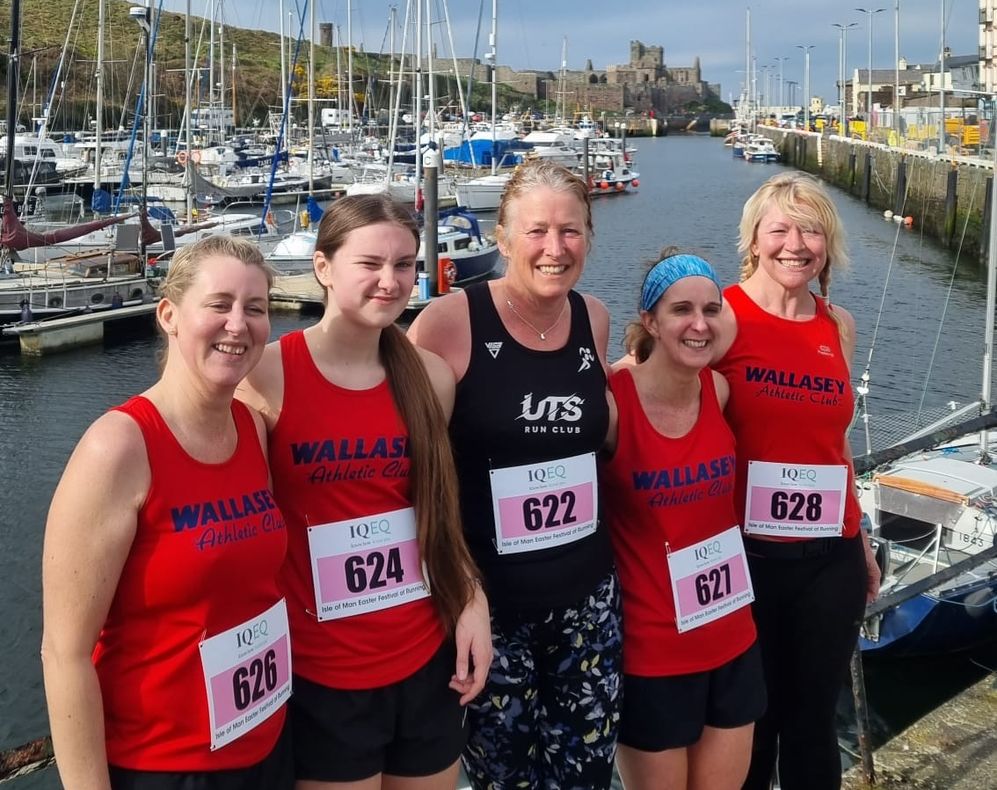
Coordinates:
518 406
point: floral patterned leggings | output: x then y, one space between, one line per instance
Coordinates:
549 713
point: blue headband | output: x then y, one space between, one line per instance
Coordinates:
668 271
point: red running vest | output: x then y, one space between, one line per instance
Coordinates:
790 395
659 491
325 469
207 549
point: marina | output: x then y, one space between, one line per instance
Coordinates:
691 194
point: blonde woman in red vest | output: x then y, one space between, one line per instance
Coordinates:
692 675
790 406
165 645
391 633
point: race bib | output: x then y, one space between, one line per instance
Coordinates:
710 580
365 564
247 674
546 504
795 500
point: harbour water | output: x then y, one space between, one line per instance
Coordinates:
691 193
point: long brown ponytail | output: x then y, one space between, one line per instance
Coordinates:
432 476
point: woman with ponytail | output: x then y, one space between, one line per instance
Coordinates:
790 407
390 628
692 682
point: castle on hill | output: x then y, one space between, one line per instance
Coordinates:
643 84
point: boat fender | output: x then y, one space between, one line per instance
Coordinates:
181 157
978 602
620 186
195 157
635 183
447 274
604 185
908 222
883 557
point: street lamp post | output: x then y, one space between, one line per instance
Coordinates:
842 57
896 65
806 83
868 98
782 93
941 86
791 85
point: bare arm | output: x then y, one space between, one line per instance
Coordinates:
473 633
726 332
442 379
90 529
599 320
874 576
263 388
614 425
723 389
444 328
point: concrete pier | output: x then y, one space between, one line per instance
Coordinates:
62 334
952 748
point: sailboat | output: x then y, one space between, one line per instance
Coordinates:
97 281
933 507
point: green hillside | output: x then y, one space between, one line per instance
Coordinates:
44 27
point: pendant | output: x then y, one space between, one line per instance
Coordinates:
543 336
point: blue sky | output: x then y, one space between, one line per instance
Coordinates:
530 32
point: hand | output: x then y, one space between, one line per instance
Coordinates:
473 635
874 575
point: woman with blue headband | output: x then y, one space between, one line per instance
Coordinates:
692 683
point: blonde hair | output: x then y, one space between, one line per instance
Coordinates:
539 173
432 475
805 201
187 260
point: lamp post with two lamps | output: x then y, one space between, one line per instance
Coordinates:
842 57
870 12
782 92
806 83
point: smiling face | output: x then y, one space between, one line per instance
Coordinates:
220 323
544 240
790 252
685 321
369 277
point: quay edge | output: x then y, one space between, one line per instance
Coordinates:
947 197
952 748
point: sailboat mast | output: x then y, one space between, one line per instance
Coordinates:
562 82
188 98
99 79
349 65
417 101
221 77
492 57
13 75
311 97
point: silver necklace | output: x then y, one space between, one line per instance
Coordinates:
521 317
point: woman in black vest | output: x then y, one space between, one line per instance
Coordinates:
530 414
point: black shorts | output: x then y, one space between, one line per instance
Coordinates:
414 727
275 771
670 712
